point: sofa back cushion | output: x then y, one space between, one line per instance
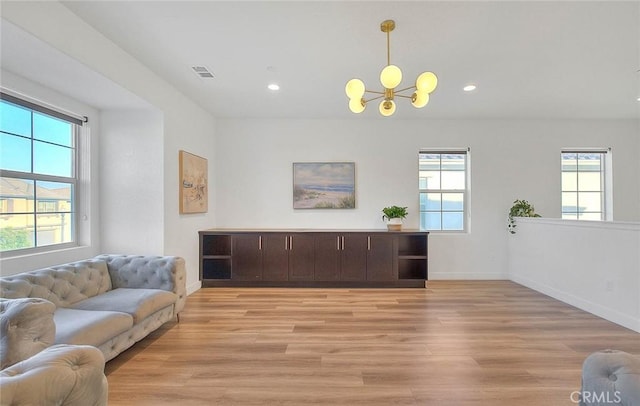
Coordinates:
63 285
137 271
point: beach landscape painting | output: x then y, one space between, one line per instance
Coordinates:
324 185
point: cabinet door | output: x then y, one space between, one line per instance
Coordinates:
246 258
327 252
301 257
353 257
275 257
380 258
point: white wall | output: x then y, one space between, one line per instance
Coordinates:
594 266
191 129
185 126
131 182
509 159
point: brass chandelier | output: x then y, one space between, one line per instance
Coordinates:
390 77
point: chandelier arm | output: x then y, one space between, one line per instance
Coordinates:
375 98
401 95
406 88
374 91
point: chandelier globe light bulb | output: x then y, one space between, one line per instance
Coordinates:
420 99
427 82
357 105
391 76
387 107
354 89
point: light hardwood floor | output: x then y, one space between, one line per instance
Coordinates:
455 343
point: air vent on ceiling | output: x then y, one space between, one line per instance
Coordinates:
202 71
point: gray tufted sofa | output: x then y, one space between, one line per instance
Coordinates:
610 377
109 302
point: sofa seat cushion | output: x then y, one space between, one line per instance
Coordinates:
139 303
92 328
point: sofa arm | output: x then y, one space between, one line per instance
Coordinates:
59 375
26 328
610 377
150 272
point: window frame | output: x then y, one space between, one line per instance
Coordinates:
605 183
73 180
465 192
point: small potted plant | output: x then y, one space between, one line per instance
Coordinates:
520 208
394 216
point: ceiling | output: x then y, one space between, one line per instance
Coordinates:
529 59
25 55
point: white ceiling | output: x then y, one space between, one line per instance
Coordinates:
25 55
529 59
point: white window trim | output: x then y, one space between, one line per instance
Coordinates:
607 190
81 164
466 192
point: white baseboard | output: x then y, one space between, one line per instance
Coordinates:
194 287
606 313
467 276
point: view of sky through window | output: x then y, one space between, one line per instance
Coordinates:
37 159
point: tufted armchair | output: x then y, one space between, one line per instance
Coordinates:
610 377
26 328
36 373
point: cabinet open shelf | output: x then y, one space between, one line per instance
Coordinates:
412 268
216 268
216 245
412 245
215 256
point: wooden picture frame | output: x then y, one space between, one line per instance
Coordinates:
194 190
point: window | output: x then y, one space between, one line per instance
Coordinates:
583 185
38 176
47 206
443 190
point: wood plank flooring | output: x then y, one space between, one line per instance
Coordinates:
455 343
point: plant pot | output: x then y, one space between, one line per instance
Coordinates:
394 224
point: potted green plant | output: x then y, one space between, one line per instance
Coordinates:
394 216
520 208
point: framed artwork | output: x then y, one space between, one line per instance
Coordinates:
324 185
193 183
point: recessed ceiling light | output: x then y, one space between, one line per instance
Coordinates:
273 86
638 99
469 88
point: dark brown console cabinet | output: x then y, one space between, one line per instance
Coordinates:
332 258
